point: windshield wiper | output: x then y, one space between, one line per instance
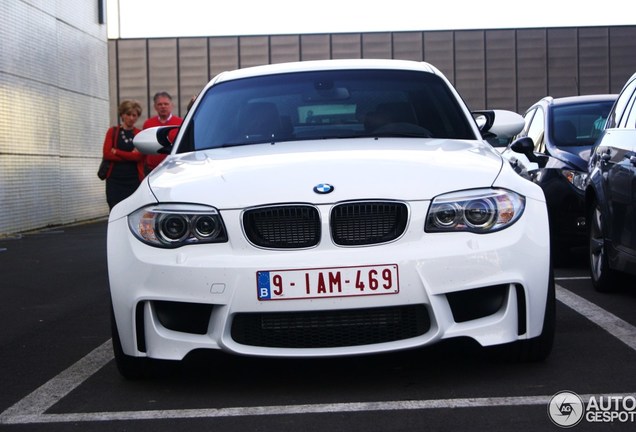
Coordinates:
388 134
242 143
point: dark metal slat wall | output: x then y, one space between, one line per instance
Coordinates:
508 69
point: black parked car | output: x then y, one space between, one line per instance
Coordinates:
553 151
611 195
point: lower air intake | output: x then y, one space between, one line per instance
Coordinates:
330 329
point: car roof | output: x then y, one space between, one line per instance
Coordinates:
628 82
324 65
584 98
548 102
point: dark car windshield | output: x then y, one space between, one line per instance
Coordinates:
580 124
323 105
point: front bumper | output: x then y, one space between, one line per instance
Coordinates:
566 209
492 288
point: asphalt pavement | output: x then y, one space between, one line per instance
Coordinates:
58 373
54 303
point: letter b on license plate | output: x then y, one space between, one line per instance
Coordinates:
327 282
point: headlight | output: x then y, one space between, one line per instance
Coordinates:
479 211
175 225
576 178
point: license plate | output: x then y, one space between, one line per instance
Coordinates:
327 282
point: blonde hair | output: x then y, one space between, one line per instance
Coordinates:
128 106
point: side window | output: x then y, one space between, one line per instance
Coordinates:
527 117
629 119
619 108
536 130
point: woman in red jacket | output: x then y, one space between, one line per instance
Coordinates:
126 169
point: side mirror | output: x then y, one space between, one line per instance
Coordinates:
520 154
500 123
524 146
154 140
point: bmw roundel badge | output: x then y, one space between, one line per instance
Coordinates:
323 188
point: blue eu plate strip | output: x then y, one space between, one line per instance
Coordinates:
262 281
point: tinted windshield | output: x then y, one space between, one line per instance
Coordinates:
327 104
578 125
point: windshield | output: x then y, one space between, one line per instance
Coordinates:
325 105
578 125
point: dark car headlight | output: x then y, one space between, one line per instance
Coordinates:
175 225
575 178
478 211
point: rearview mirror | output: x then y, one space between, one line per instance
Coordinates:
327 94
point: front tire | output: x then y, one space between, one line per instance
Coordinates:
538 348
604 279
135 368
131 368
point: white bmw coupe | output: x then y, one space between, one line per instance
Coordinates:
329 208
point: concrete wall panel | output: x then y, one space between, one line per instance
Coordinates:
532 67
315 47
501 69
54 110
470 73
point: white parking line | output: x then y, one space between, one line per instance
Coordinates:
35 404
32 409
566 278
295 409
621 330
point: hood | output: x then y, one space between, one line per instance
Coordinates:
576 157
387 168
